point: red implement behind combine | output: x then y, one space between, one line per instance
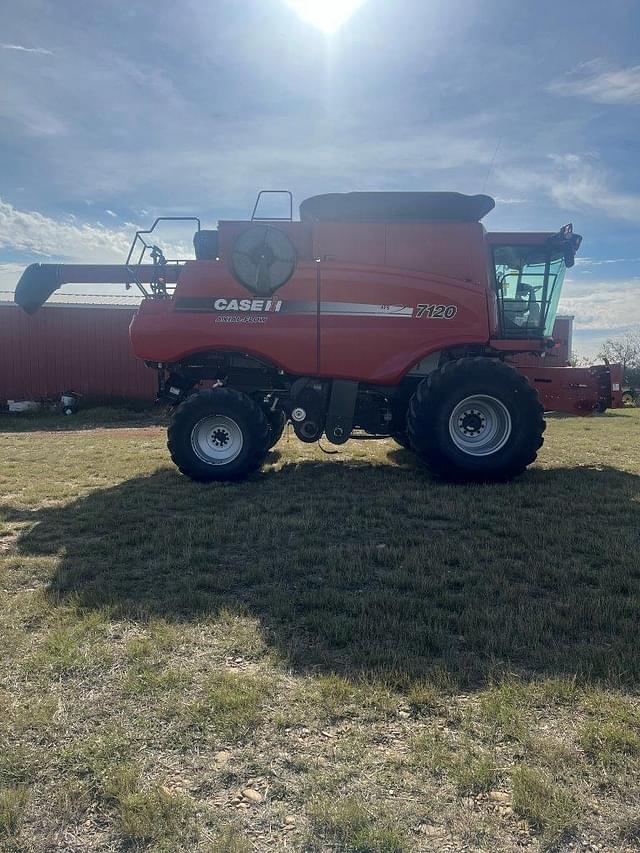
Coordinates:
375 315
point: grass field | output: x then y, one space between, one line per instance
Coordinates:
338 655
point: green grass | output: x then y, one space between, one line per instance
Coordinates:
541 801
502 711
390 662
424 698
352 826
609 740
13 802
155 816
228 703
475 774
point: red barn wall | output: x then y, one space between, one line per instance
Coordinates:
78 348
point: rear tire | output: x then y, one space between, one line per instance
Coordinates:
476 419
219 434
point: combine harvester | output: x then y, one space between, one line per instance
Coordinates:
375 315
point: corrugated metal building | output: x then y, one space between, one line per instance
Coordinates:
74 343
81 343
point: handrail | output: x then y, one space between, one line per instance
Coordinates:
158 287
289 218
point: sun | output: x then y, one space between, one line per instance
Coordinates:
327 15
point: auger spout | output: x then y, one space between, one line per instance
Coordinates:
39 281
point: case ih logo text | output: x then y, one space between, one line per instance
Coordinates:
260 305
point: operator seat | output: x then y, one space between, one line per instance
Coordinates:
521 313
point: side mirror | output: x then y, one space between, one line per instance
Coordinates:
566 242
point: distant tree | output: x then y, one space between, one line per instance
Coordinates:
576 360
624 350
632 376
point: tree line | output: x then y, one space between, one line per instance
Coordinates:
624 350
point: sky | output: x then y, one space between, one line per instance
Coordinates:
114 113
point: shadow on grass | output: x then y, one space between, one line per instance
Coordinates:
372 569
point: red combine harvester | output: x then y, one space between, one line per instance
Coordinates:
375 315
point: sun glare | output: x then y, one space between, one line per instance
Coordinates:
327 15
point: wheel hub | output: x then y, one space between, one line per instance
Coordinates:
472 422
480 425
217 440
220 437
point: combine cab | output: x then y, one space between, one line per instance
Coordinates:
374 315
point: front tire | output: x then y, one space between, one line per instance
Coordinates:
219 434
476 419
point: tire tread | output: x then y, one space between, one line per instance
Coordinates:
431 391
205 400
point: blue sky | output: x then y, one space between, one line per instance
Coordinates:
112 113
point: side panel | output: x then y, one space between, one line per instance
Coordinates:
456 250
376 323
437 248
350 243
211 311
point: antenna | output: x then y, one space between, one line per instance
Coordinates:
491 165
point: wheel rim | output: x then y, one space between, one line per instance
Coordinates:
480 425
217 440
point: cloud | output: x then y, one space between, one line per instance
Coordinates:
580 184
587 343
111 213
501 200
31 233
321 158
41 50
9 275
573 182
603 305
593 81
592 262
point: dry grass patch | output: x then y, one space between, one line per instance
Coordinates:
71 801
227 839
